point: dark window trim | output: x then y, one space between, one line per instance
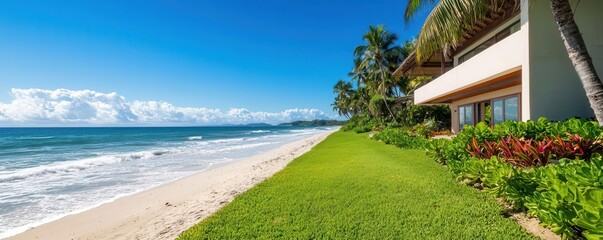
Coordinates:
472 105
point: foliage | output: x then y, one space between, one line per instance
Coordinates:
377 106
411 114
512 161
530 152
538 130
360 124
350 187
576 147
526 153
485 150
570 197
437 148
440 133
401 138
528 130
448 22
373 91
426 127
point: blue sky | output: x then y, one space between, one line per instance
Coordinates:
264 56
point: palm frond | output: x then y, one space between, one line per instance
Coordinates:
412 6
446 24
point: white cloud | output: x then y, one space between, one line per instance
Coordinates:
83 107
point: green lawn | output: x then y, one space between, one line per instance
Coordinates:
351 187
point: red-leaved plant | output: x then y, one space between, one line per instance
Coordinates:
530 152
526 153
485 150
575 147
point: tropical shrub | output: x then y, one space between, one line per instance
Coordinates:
569 199
411 115
440 132
511 184
470 171
530 152
512 161
425 128
529 129
526 153
576 147
486 150
437 149
360 124
401 138
537 130
584 128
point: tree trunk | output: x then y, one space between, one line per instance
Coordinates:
385 98
576 49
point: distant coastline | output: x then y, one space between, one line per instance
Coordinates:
314 123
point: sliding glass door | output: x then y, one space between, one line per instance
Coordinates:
465 115
491 111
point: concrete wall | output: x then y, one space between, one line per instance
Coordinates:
501 58
483 97
555 91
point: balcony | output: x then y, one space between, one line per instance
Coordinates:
487 71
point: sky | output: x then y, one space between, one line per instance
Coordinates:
181 62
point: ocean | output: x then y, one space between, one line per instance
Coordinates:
48 173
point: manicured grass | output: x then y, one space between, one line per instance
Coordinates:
351 187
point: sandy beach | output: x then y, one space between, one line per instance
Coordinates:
165 211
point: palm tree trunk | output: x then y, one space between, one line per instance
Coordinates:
576 48
385 99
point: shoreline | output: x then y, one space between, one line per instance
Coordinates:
164 211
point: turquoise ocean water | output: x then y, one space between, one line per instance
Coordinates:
48 173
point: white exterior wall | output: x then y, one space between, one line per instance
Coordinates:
525 61
555 91
550 86
499 59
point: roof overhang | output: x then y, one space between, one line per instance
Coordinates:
501 82
439 63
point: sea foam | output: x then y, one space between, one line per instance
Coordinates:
76 165
195 138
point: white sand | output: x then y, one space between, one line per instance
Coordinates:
166 211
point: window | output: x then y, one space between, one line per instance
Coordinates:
505 109
465 116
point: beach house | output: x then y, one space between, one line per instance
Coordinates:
511 66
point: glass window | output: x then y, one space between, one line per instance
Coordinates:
465 57
497 111
515 27
501 35
469 115
505 109
488 43
465 116
511 109
461 116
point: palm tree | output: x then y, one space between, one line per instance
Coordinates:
576 49
446 24
376 60
343 91
359 101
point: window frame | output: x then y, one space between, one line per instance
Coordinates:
472 106
503 98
